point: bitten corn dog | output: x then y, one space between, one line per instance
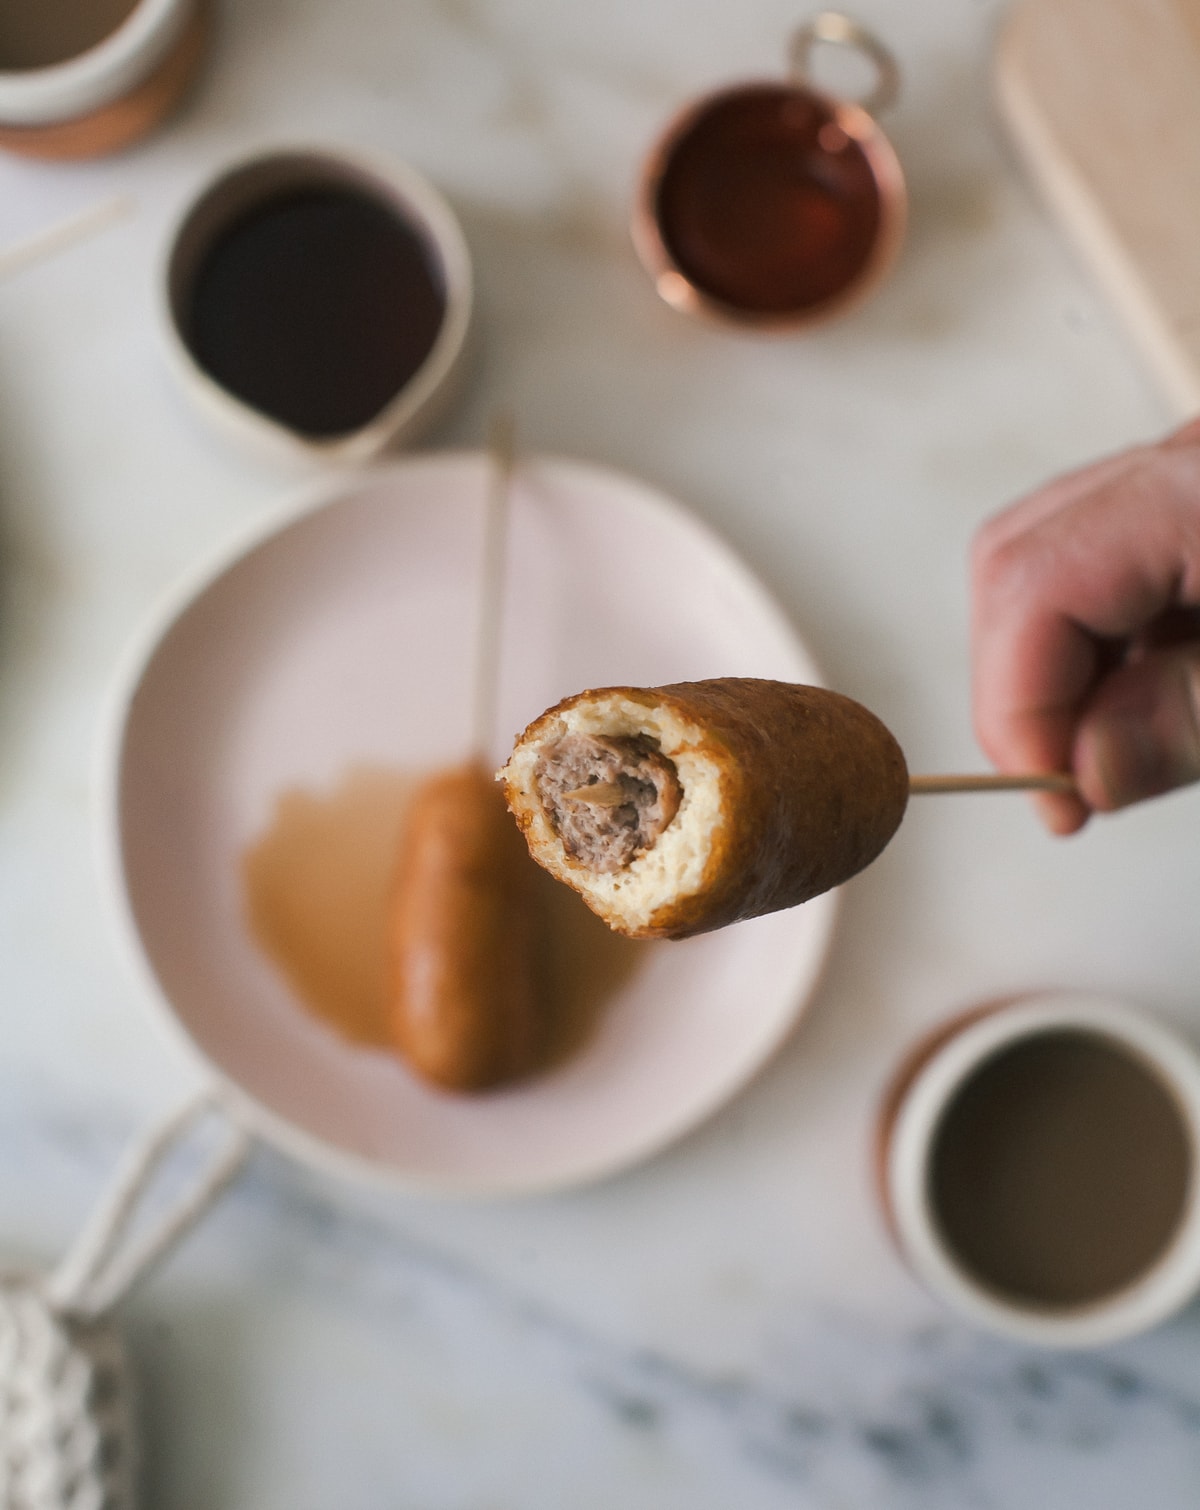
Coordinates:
679 809
465 1006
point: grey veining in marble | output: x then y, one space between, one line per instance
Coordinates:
357 1353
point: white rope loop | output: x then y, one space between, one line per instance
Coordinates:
106 1261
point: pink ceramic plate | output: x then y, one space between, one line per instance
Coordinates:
343 637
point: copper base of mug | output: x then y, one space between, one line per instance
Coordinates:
124 121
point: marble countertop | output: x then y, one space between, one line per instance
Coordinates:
726 1324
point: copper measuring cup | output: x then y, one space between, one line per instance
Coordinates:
770 204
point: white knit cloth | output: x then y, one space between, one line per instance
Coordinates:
67 1439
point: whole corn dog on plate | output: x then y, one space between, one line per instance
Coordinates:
266 734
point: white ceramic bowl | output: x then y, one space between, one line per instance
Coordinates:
260 178
926 1086
341 636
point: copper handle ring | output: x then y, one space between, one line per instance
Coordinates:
832 27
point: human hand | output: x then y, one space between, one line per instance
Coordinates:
1086 630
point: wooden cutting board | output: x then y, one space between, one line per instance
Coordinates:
1102 98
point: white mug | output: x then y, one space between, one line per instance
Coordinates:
111 92
1039 1163
241 187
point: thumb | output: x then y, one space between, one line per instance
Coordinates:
1140 735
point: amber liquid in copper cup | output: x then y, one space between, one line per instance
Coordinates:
771 204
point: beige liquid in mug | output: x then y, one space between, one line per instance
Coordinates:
42 33
1060 1171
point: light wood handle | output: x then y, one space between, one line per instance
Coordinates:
1049 781
612 794
501 462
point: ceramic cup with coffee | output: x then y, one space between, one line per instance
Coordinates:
1039 1161
316 303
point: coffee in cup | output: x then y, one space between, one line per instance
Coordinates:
316 302
1038 1162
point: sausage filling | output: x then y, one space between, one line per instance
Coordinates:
640 790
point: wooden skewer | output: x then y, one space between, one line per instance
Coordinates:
611 794
501 459
1050 781
56 238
